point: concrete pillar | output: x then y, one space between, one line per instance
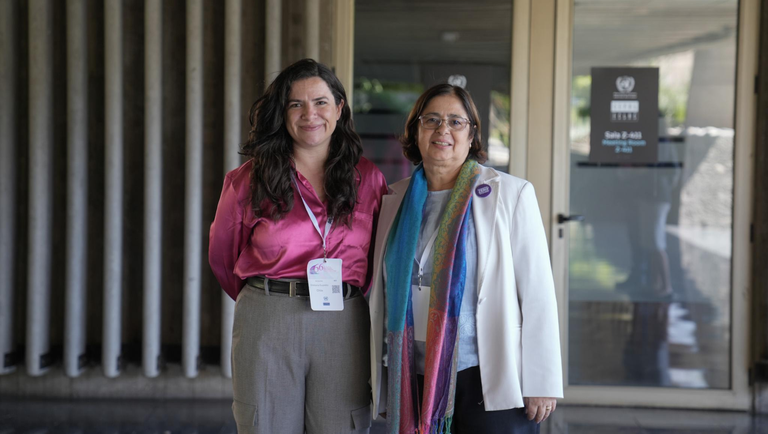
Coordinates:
312 29
113 186
273 42
40 185
8 121
232 113
77 187
713 79
153 184
193 224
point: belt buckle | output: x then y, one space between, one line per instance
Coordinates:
292 288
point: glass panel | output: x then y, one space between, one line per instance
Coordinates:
404 47
650 264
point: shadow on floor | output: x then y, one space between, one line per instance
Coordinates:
215 417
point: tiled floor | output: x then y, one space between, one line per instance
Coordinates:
215 417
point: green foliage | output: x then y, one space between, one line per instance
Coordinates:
673 104
499 117
385 96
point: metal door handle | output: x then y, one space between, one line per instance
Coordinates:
562 218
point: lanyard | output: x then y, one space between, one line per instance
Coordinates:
312 217
425 254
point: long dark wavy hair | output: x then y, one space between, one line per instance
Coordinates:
270 147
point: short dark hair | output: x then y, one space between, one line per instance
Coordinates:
270 147
410 139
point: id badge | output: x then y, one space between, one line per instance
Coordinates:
324 277
420 299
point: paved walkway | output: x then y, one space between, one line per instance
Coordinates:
215 417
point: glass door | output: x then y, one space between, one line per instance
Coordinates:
647 224
404 47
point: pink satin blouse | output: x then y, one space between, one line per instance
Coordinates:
243 246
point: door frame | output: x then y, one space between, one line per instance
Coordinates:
539 119
739 396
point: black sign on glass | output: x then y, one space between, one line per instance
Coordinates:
624 115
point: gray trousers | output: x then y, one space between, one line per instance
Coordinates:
295 370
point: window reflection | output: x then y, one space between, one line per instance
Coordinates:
404 47
650 267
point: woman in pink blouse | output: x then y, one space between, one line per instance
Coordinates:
303 206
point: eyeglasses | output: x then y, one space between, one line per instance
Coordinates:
455 123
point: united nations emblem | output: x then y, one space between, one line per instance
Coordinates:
625 84
458 80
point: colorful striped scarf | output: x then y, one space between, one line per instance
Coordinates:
433 413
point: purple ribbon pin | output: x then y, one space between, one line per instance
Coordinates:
483 190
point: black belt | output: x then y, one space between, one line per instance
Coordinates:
295 288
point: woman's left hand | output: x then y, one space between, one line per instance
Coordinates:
539 408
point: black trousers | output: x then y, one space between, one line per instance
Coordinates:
470 417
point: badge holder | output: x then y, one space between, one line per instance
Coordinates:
420 296
325 285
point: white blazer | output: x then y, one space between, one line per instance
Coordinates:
517 332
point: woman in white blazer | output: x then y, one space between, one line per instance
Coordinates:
464 329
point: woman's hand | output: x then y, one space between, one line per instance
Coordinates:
539 408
